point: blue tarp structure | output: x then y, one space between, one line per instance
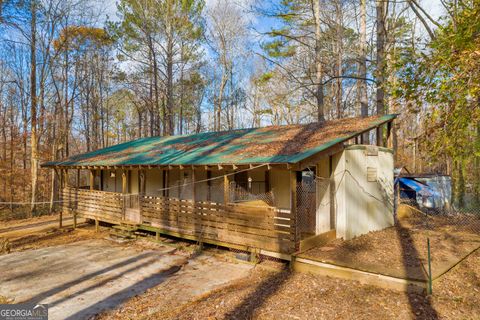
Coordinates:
415 185
427 195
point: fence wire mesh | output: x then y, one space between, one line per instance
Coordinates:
435 231
19 211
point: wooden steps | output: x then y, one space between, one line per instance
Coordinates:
124 231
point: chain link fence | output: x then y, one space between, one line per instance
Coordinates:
440 233
22 210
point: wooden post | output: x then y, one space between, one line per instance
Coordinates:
209 185
226 188
165 183
66 177
92 179
124 191
267 180
293 203
193 185
380 136
141 181
124 181
389 135
62 186
59 173
76 200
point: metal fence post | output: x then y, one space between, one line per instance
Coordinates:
429 268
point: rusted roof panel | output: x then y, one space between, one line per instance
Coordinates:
274 144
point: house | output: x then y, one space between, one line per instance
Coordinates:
270 190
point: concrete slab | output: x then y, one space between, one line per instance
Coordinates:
81 279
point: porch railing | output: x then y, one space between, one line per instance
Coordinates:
262 227
93 204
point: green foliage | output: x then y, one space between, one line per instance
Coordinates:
264 78
284 42
146 22
447 78
279 48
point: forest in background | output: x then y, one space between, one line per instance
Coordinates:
74 79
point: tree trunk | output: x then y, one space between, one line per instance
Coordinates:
221 91
362 65
380 8
339 69
476 189
460 185
168 130
155 89
33 109
319 96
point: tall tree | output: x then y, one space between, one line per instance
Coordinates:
33 103
444 84
381 6
226 36
362 63
152 35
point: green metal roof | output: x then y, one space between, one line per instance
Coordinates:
275 144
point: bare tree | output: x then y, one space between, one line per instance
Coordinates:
226 33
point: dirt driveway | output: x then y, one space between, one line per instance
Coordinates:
82 279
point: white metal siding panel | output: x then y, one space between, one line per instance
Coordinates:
368 203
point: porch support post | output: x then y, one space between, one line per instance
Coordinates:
380 136
76 199
226 188
293 204
165 183
267 181
193 185
58 172
124 181
62 186
92 179
209 185
124 190
389 135
66 177
142 177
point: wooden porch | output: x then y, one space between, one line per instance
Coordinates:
250 227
